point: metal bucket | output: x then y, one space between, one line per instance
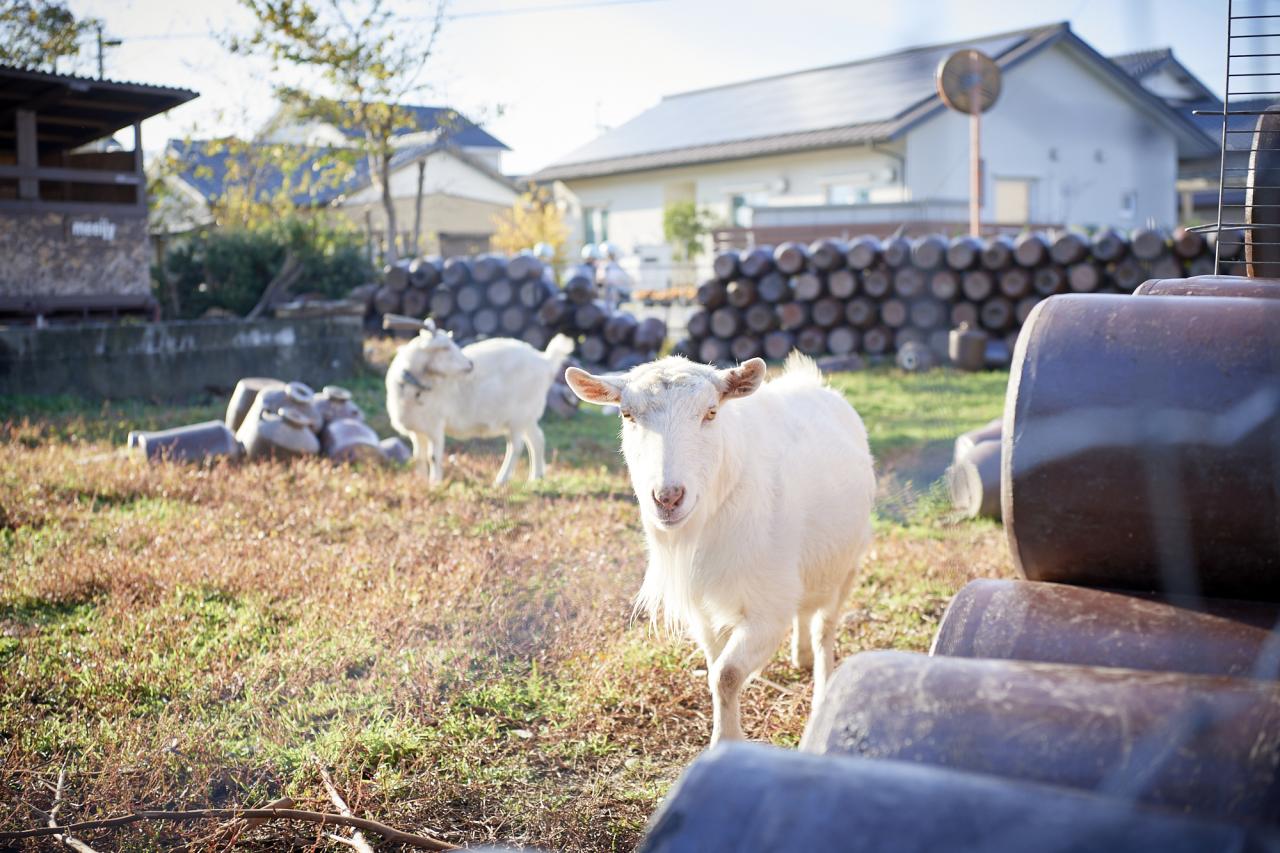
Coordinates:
194 443
749 797
1203 745
1052 623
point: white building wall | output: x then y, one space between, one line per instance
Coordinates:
1085 144
445 175
635 201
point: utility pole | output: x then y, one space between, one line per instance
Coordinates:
103 43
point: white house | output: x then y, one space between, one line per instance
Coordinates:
458 162
868 145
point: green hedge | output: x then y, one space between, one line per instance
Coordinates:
230 268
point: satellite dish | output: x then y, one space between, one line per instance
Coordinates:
969 81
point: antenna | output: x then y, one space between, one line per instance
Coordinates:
969 82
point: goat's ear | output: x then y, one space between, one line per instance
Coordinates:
743 380
593 389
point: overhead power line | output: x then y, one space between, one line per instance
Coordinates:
480 13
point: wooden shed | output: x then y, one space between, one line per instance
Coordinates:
73 216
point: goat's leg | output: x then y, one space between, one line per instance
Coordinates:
421 452
437 456
822 630
709 640
537 446
751 644
509 461
823 624
801 649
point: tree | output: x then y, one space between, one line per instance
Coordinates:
367 57
37 33
684 226
534 218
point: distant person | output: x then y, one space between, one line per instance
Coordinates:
612 278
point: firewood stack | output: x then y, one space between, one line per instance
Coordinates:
613 340
875 296
490 296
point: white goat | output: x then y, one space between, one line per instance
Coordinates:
757 511
491 388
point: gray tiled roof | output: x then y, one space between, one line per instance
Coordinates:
837 105
1140 63
856 102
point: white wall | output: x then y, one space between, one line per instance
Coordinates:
635 201
445 175
1060 123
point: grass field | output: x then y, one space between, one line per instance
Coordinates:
463 661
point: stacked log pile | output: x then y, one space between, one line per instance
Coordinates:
489 296
875 297
614 340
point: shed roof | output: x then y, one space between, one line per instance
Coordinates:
862 101
73 110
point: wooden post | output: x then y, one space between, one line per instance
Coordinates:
28 155
975 165
417 206
140 195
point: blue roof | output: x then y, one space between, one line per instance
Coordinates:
320 177
461 131
208 165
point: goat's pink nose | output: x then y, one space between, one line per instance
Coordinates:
669 497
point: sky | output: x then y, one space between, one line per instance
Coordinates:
547 76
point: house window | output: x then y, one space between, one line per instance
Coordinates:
847 194
741 205
595 224
1013 200
1129 204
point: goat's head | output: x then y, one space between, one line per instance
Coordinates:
670 437
433 353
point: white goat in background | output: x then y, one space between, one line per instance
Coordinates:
756 504
496 387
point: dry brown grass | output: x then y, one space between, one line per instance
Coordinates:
463 660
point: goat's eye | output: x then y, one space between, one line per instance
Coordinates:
628 417
709 416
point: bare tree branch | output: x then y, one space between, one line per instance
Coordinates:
357 840
237 828
423 842
59 835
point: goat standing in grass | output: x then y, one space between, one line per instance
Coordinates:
756 504
492 388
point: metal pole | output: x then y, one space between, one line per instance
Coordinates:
975 165
1222 167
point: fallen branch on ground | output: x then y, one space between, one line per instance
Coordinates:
356 840
324 818
60 835
236 828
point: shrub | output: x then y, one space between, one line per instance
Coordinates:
230 268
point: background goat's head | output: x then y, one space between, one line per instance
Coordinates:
433 353
670 438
